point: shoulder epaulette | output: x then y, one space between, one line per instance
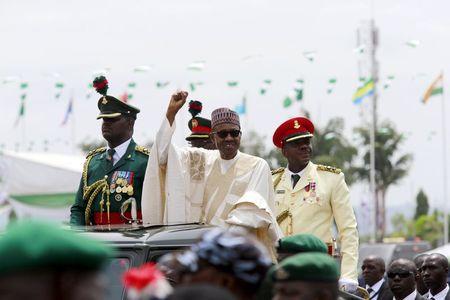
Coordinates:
328 169
142 150
95 151
277 171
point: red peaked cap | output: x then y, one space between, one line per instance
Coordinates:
293 129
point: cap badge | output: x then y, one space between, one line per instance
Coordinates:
281 274
104 101
194 123
296 125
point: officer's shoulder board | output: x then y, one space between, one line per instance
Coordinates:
328 169
96 151
142 149
277 171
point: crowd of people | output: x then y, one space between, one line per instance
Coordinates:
42 261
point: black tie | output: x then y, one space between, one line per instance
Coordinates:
370 290
295 179
109 158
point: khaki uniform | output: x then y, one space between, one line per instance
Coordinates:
320 196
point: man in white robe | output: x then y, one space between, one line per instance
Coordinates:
223 187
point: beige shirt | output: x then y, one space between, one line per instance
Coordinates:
319 199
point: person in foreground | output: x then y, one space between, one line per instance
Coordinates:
306 276
310 197
434 274
111 184
223 187
402 280
373 269
229 259
43 262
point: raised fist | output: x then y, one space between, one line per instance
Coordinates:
177 101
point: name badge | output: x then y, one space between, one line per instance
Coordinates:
280 192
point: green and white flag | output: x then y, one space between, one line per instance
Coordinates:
23 85
196 65
331 84
388 82
266 83
298 89
59 85
132 84
233 83
21 113
162 84
141 69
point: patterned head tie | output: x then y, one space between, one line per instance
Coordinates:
230 252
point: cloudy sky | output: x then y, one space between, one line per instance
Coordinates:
49 41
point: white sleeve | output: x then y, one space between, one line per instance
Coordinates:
163 140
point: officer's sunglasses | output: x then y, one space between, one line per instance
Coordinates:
224 133
401 274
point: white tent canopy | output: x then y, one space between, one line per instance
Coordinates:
39 173
43 176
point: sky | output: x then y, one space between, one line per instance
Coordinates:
49 41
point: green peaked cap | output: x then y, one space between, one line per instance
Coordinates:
31 245
312 266
301 243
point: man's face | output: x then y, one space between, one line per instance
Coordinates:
420 285
116 129
372 271
227 138
434 273
202 143
301 290
298 152
401 280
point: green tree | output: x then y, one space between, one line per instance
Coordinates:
390 165
402 227
429 228
332 148
422 206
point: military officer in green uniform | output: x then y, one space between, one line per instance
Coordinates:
200 128
111 184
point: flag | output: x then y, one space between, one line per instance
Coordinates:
162 84
331 83
232 83
23 85
196 66
68 112
125 97
241 109
365 90
436 88
21 112
141 69
262 91
59 85
192 86
132 85
287 102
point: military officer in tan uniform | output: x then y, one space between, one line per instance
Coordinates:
310 197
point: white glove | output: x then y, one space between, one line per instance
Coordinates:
348 285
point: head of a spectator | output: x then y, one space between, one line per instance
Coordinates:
171 267
306 276
228 259
42 261
420 285
373 269
226 132
434 272
401 275
299 243
201 291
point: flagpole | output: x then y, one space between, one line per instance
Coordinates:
444 158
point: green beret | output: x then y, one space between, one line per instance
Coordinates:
32 245
301 243
312 266
111 107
